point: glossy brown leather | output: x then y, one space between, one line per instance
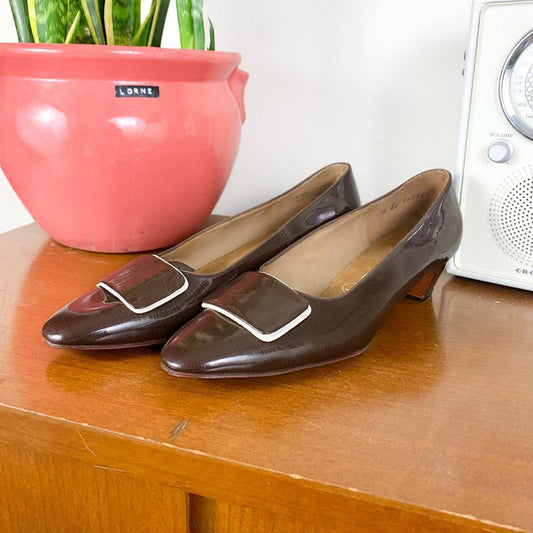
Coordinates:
145 281
213 345
261 301
100 320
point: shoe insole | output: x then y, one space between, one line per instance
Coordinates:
364 263
224 261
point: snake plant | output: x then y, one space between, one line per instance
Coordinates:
108 22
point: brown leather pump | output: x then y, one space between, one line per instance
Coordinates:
148 299
324 298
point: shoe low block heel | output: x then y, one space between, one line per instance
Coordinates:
423 288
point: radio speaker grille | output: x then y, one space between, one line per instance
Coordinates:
511 215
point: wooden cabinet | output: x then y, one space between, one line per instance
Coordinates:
429 430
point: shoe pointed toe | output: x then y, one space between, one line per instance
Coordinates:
209 346
61 331
84 323
54 333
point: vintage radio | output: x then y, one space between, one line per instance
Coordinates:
494 175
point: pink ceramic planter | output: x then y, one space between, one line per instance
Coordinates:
119 149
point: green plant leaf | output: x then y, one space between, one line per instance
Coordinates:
158 24
142 35
73 28
48 20
185 23
82 33
197 12
136 16
19 8
211 35
118 20
93 11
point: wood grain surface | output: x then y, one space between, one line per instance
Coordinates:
429 430
69 496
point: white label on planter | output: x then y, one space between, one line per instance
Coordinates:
136 91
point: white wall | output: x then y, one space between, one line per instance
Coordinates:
374 82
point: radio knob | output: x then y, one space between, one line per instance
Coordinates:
500 151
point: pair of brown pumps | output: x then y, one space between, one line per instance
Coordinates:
328 273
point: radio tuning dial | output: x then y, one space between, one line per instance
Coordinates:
516 86
500 151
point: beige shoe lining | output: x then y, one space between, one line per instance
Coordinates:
218 247
333 260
